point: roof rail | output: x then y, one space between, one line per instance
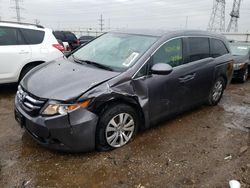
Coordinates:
38 26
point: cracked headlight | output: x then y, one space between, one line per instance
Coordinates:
53 109
238 66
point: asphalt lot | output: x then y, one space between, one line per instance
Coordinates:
206 147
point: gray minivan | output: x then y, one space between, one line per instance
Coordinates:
99 96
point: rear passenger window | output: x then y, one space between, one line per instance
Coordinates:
170 53
59 35
198 48
217 48
33 36
10 36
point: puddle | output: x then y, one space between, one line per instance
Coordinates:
237 114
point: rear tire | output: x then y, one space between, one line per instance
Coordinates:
216 91
117 126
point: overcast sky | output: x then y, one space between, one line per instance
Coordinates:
160 14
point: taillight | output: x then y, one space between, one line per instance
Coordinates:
78 42
59 47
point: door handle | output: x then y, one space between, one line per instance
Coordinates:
187 78
23 52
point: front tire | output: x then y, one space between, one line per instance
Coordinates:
117 126
216 91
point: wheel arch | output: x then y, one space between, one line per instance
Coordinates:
33 63
131 101
225 78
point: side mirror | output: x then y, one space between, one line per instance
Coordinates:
161 69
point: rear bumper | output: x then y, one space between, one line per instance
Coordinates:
74 132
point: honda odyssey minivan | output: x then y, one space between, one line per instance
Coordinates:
99 96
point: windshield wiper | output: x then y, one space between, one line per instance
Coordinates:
92 63
98 65
76 60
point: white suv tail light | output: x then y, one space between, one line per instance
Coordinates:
59 47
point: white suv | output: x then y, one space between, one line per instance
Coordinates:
24 46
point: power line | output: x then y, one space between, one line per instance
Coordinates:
0 12
101 23
217 19
18 9
235 15
178 9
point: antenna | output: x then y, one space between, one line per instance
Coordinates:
101 23
37 22
217 19
235 15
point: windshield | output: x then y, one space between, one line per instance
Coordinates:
239 49
117 51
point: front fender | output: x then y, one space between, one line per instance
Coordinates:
104 95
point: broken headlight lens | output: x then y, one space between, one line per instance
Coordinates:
53 109
238 66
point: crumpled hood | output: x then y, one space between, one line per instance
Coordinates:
240 59
64 80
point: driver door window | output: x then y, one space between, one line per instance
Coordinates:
170 53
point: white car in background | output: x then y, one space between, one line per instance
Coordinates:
24 46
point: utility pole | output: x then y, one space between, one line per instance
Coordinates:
235 15
18 8
101 20
0 12
217 19
109 24
186 25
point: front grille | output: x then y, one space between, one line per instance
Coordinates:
29 103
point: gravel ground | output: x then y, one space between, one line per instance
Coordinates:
205 147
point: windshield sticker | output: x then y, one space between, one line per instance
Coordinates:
242 48
130 59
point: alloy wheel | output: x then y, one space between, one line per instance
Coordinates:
120 130
217 91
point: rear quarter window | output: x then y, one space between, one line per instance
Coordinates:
33 36
198 48
10 36
59 35
218 48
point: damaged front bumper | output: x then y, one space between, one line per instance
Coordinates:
73 132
